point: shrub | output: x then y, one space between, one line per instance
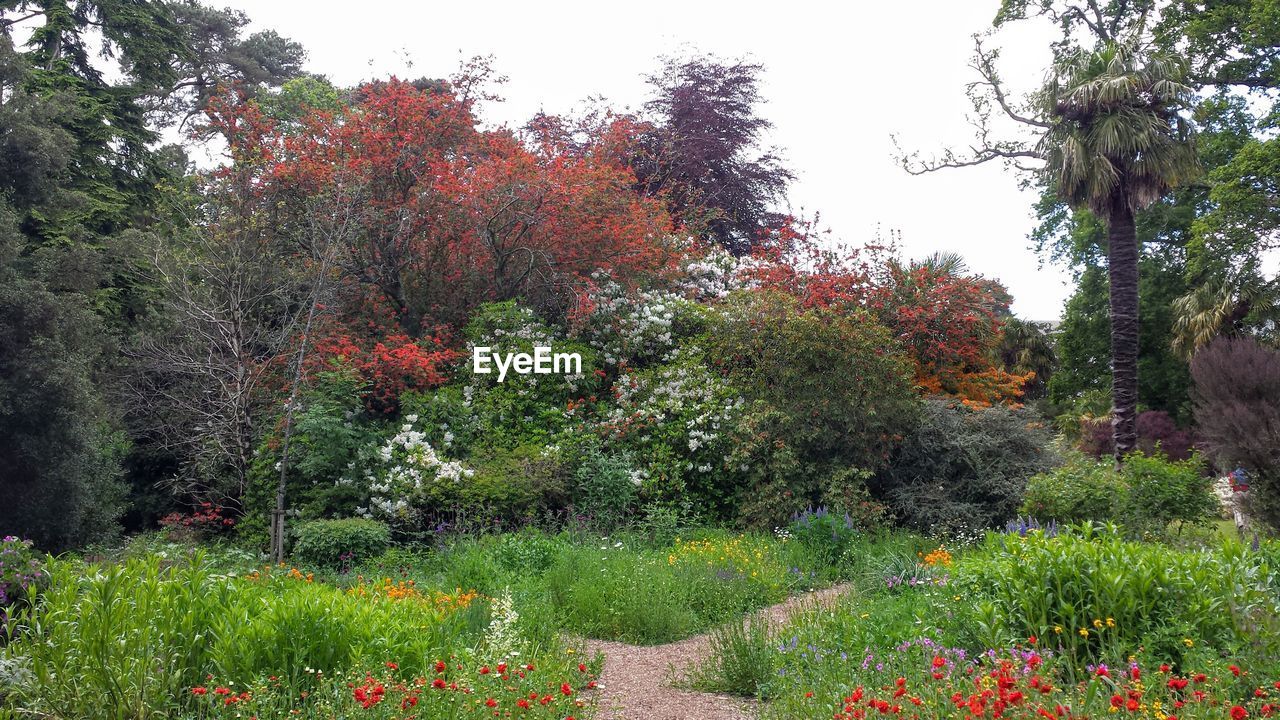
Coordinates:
964 467
522 409
676 420
1237 410
1080 490
635 327
518 485
824 395
332 543
741 661
1157 433
1162 491
1145 495
605 488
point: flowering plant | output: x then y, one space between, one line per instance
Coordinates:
20 574
678 417
400 475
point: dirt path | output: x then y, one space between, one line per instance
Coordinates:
635 682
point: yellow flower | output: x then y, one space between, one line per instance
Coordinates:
1111 622
1188 642
1084 632
1097 623
1057 629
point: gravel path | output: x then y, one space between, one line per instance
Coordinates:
636 681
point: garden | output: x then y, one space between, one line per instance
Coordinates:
391 411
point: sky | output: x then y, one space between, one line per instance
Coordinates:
840 80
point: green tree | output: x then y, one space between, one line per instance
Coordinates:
59 453
1110 140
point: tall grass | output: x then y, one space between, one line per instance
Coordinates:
741 660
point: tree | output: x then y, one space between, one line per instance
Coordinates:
699 152
215 54
1110 140
1214 230
451 216
230 288
1026 347
1116 146
1084 339
59 449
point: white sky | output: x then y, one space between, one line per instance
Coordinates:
838 82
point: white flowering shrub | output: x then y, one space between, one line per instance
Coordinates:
713 273
633 327
677 418
404 475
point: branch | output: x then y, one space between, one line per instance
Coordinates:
984 63
977 155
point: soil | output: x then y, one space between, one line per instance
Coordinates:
637 680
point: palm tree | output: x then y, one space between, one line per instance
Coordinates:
1027 346
1114 144
1229 305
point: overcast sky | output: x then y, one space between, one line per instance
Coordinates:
838 83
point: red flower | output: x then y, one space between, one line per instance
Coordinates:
199 691
1238 713
564 688
491 702
440 666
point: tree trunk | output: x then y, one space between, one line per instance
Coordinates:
1122 270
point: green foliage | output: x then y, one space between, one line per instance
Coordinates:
333 543
655 597
824 537
21 576
59 452
1101 596
522 484
824 396
1084 340
1080 490
675 419
1147 494
523 408
129 640
1162 492
606 488
964 468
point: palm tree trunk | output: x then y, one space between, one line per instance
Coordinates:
1122 269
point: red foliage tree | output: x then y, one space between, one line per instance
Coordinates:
447 216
